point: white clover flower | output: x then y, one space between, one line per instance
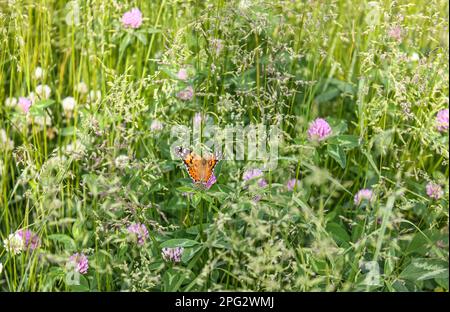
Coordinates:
82 88
43 91
414 57
244 4
72 17
156 125
38 73
69 104
5 142
14 244
10 102
41 121
121 161
32 97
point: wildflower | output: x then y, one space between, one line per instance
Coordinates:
172 254
24 104
121 161
186 94
251 174
254 174
182 74
38 73
43 91
68 104
72 18
395 33
244 4
414 57
363 195
156 125
82 88
132 19
262 183
5 142
442 120
210 182
10 102
257 198
319 130
140 232
434 191
292 183
79 262
1 268
14 244
41 120
30 240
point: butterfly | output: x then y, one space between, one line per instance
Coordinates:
200 169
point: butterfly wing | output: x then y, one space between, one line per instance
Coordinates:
211 164
206 167
200 169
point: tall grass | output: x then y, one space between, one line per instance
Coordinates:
376 71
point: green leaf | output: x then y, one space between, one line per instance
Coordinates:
43 104
195 229
179 242
338 232
422 242
196 198
173 278
399 286
169 73
170 279
424 269
345 141
153 31
68 131
343 86
67 241
328 95
124 44
141 37
156 265
186 189
189 253
83 285
38 108
338 154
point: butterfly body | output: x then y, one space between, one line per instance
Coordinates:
199 168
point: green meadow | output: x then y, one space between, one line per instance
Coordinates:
354 195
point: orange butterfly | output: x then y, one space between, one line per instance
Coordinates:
200 169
